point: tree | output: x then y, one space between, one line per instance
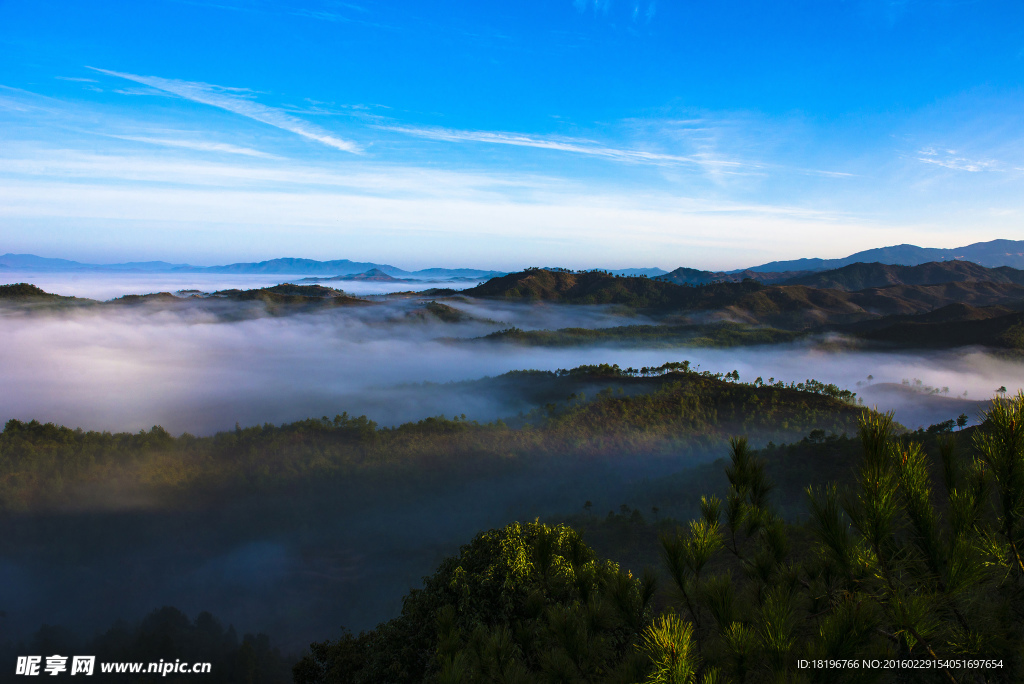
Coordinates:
517 604
902 566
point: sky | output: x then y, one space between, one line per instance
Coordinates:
576 133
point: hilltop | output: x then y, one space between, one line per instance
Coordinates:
597 287
25 291
373 275
693 276
26 296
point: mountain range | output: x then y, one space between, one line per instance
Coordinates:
991 254
289 266
857 276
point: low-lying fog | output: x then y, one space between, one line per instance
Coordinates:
110 285
131 370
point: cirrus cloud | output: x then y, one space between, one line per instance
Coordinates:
233 100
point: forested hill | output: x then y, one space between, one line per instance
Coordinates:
279 299
973 327
598 287
25 294
789 307
642 415
861 276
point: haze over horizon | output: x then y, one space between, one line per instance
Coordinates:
579 133
994 253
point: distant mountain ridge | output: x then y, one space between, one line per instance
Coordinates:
31 262
993 253
284 266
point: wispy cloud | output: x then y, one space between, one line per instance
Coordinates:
598 5
950 160
199 145
648 15
376 179
18 100
74 78
231 99
562 144
414 211
150 92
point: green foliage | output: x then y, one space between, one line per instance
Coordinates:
669 644
24 290
899 566
446 313
525 602
1001 450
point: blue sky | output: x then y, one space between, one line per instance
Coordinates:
576 133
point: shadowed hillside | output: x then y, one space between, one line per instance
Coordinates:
861 276
1005 332
785 306
801 307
